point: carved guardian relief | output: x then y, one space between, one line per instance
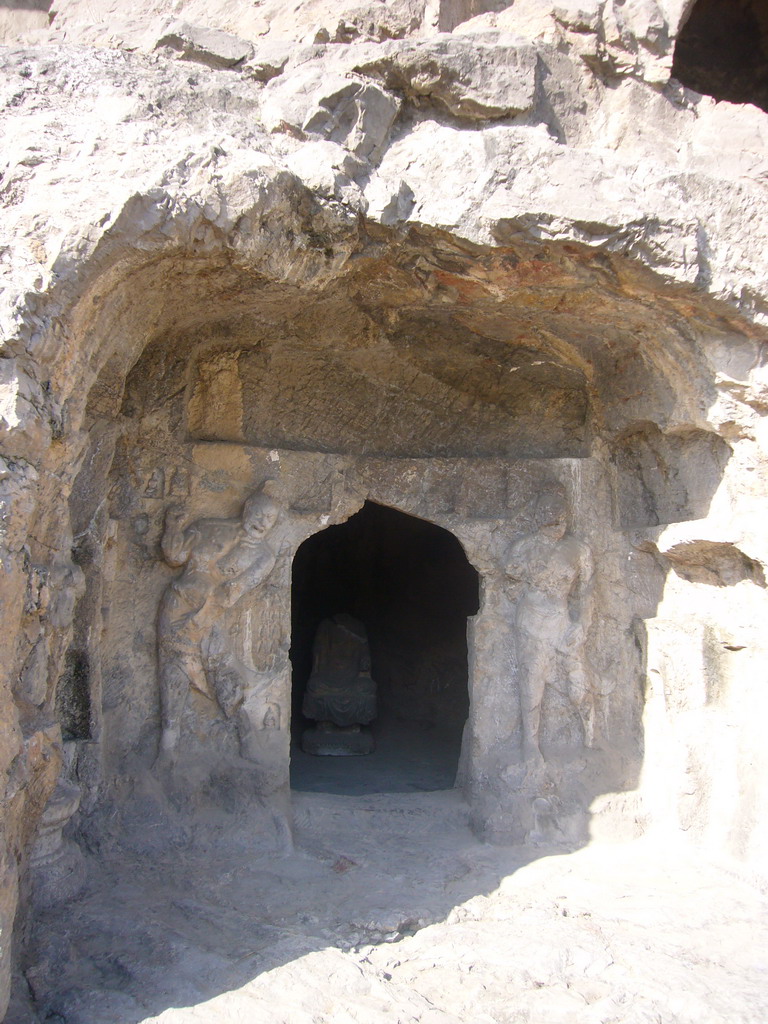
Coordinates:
201 637
550 582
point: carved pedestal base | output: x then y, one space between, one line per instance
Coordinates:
56 863
328 740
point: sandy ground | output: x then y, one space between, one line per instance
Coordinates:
389 910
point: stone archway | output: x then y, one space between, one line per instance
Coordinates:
497 397
410 583
204 367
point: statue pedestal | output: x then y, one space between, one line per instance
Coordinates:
340 694
327 740
56 864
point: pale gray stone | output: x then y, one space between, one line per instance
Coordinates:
466 77
267 61
339 108
204 45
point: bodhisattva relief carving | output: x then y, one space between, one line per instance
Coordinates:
550 574
223 560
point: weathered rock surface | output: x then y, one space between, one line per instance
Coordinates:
204 46
390 909
463 76
433 257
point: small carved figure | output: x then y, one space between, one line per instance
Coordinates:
551 575
141 525
223 560
340 694
155 487
271 717
180 483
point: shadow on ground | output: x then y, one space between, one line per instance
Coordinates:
181 926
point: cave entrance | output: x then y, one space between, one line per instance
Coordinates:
411 586
722 51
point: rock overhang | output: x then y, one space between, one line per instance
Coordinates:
551 335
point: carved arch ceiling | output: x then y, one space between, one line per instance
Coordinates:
429 347
428 388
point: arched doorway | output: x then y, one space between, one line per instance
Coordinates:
409 582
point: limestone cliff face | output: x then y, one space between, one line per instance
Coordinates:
391 248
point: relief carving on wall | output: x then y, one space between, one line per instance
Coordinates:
223 561
155 485
550 583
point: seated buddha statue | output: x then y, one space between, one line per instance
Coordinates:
340 694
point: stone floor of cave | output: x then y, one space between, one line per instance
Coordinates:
389 909
407 758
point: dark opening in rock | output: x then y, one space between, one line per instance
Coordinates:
722 51
73 697
410 584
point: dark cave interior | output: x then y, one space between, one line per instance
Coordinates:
722 51
410 583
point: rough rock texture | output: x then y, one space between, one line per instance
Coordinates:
204 46
437 257
409 918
